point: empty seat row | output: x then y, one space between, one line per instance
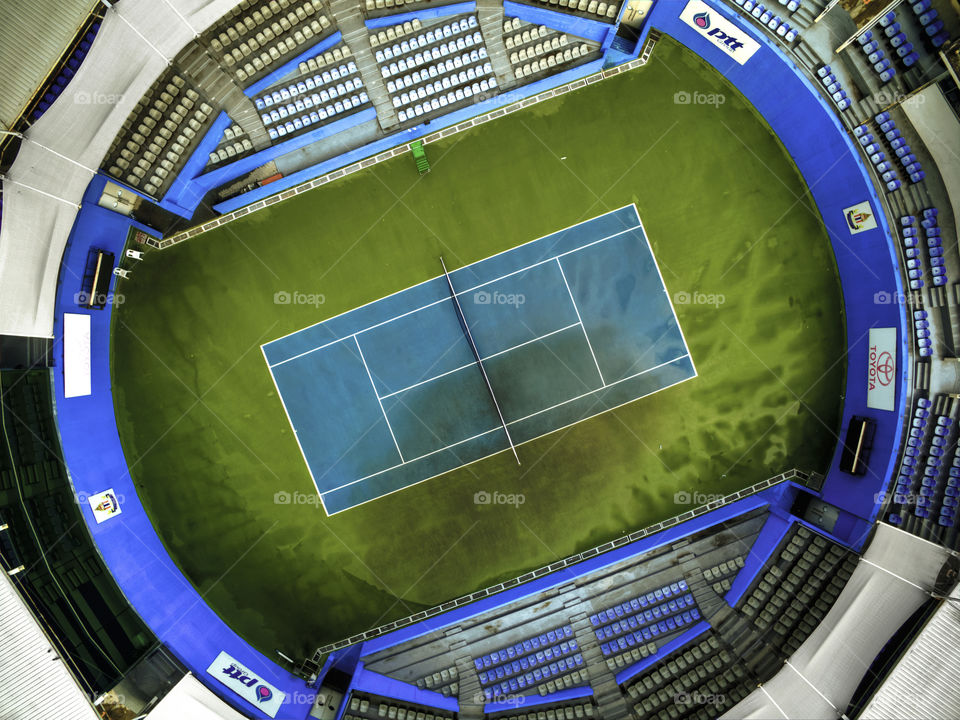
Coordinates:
329 57
445 680
304 86
538 677
531 34
445 74
318 115
551 61
568 712
590 7
372 5
393 32
830 81
310 101
230 151
261 18
431 45
274 53
538 49
769 19
645 600
434 104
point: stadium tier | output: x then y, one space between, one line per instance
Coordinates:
669 432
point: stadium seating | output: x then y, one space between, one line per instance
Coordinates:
832 85
233 144
770 20
312 101
68 69
546 662
566 711
593 9
444 681
371 707
386 7
157 137
722 574
255 37
800 583
629 626
702 672
535 50
435 71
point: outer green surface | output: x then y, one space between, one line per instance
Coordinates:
209 444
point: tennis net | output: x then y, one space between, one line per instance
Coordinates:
476 355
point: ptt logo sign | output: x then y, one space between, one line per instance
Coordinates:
721 32
247 684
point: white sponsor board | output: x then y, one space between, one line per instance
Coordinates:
76 355
720 31
247 684
105 505
882 368
859 218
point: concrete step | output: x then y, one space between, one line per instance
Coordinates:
490 15
610 700
349 19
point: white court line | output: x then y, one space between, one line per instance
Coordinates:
462 292
483 359
430 280
485 457
580 320
519 420
399 452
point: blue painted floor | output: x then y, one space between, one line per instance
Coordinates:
567 326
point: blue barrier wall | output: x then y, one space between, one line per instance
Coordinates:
430 13
564 22
814 137
139 562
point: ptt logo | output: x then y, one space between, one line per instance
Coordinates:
729 40
723 33
264 693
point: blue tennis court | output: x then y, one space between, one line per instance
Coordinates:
567 327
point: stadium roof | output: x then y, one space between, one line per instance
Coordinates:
33 36
61 152
34 681
896 576
190 698
924 682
